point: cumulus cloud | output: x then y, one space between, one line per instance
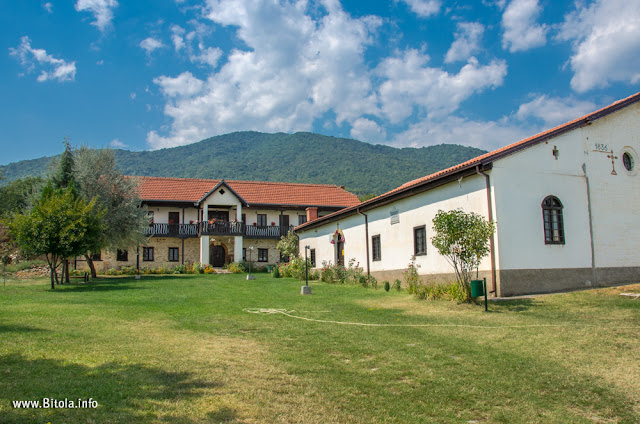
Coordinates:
50 67
487 135
150 44
424 8
298 68
466 42
367 130
102 11
117 144
554 110
184 85
410 82
521 31
48 7
606 43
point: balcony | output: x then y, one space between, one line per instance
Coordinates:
218 228
172 230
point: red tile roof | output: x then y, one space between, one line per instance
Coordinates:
487 158
253 192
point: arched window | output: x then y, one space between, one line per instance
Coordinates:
552 218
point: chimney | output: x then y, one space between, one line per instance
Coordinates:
342 187
312 213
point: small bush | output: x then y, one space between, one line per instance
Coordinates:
411 277
373 282
209 270
235 268
276 272
387 286
397 285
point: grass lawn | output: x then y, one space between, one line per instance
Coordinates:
184 349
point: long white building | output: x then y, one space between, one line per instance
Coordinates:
566 203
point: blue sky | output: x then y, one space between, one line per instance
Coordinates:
152 74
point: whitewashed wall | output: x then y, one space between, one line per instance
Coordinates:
397 239
524 179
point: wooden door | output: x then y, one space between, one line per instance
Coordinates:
216 256
284 225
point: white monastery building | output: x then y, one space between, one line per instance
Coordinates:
566 203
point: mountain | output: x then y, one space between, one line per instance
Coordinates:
300 157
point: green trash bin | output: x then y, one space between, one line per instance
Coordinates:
477 288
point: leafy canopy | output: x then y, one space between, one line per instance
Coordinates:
60 225
463 239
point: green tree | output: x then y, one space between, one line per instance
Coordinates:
63 174
463 239
19 195
60 225
98 178
288 245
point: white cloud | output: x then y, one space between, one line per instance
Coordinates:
606 43
208 55
132 96
177 37
424 8
48 7
150 44
521 31
298 69
117 144
367 130
53 69
410 83
102 11
467 41
184 85
554 110
487 135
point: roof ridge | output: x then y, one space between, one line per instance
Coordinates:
235 181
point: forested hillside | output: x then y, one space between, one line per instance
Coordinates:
300 157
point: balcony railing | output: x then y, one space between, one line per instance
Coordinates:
218 228
173 230
221 228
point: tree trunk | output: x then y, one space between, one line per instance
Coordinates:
53 284
65 271
91 266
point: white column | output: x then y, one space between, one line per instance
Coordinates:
237 249
204 250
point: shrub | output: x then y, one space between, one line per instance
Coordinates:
235 268
374 282
209 270
411 278
387 286
315 275
397 285
276 272
447 291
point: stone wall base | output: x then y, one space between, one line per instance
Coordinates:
516 282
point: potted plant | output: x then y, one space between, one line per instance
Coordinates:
273 224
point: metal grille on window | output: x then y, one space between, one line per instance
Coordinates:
376 248
419 240
553 222
313 257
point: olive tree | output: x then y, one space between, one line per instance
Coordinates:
97 178
463 239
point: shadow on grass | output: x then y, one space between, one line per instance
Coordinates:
19 329
515 305
101 284
124 392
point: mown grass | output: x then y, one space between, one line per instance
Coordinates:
184 349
